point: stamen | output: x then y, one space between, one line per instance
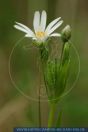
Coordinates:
40 34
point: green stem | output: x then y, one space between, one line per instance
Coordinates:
52 115
39 109
39 98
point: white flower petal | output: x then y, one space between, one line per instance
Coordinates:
25 27
20 28
55 27
28 35
36 21
34 38
52 24
43 20
55 35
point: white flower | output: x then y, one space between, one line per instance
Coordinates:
41 32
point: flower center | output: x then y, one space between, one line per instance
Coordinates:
40 34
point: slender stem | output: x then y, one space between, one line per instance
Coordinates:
52 115
39 109
39 98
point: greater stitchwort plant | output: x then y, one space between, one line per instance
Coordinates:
55 71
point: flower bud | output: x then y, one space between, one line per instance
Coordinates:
66 33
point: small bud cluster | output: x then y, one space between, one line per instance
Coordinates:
66 33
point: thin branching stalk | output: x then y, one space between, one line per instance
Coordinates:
39 104
39 98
